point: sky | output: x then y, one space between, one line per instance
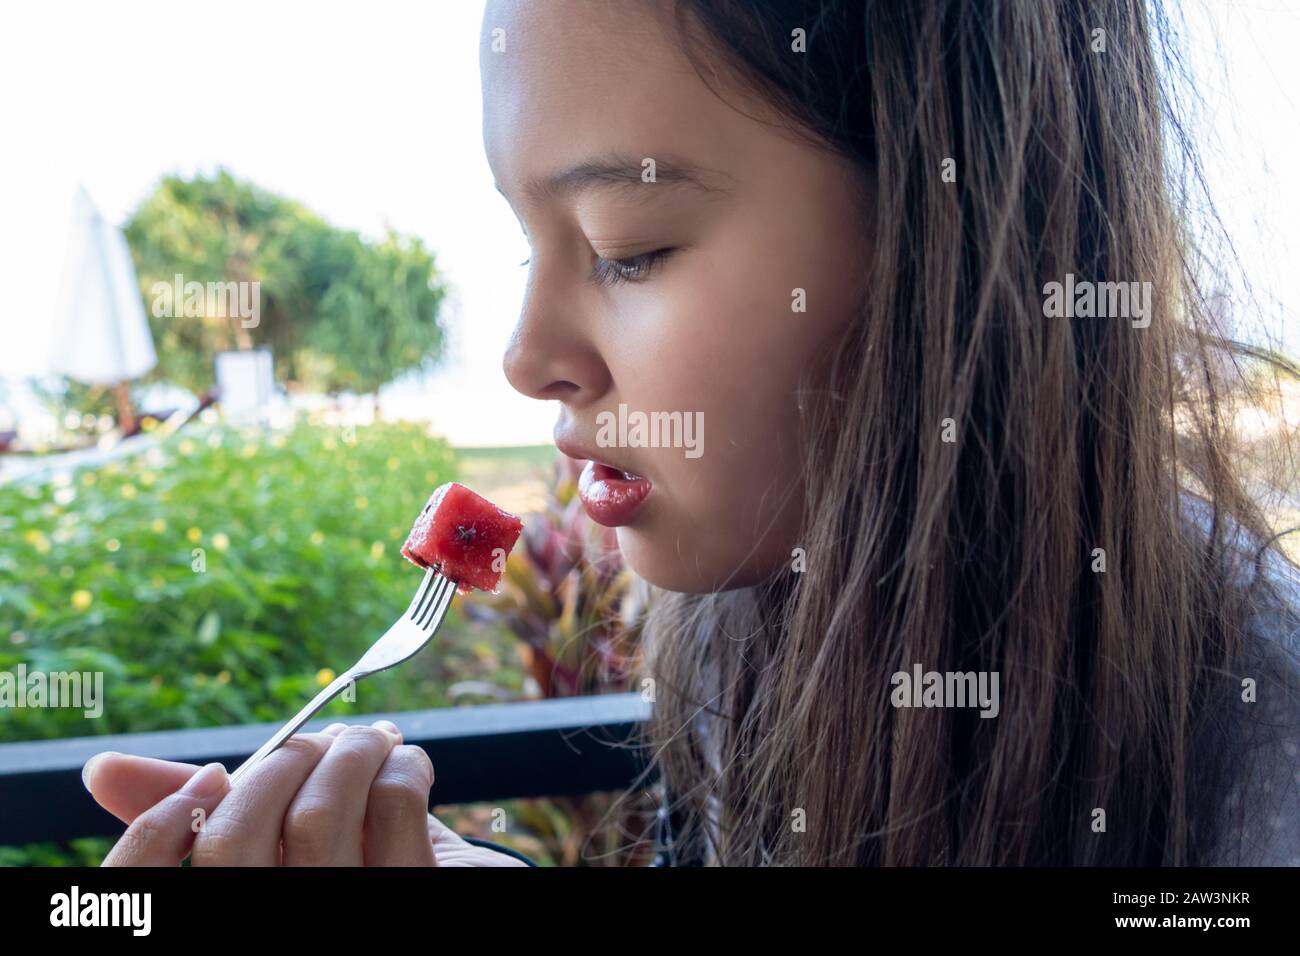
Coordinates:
370 114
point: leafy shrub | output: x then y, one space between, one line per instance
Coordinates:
576 609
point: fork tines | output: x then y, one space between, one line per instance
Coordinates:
431 600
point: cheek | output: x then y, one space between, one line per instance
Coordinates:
725 342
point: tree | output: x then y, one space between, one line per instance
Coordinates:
338 311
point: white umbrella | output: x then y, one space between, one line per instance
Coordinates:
99 334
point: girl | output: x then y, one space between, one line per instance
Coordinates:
964 571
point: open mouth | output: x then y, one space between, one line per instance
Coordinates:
611 496
610 473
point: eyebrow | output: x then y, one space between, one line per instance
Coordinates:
618 174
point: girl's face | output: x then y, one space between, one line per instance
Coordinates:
695 297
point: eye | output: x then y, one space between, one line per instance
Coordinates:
613 271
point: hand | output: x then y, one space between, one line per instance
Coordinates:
349 796
143 788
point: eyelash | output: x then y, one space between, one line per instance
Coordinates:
611 272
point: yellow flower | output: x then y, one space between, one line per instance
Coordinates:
394 463
200 679
147 478
220 541
317 538
249 451
377 550
324 676
330 444
88 479
362 502
186 447
36 538
223 677
128 491
81 599
158 525
113 544
194 534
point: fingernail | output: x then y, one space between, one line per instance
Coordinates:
88 770
206 782
387 725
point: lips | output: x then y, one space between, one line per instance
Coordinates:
610 495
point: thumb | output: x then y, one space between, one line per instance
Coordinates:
164 834
126 786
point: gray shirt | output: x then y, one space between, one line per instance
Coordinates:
1259 821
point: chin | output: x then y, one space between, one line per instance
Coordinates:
667 562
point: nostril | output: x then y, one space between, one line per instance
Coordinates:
554 361
558 391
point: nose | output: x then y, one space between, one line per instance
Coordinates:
550 355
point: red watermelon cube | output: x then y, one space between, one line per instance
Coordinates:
465 536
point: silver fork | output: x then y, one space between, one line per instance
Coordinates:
401 642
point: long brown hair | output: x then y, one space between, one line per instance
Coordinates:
970 458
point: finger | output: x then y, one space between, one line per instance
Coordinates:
443 837
126 786
396 832
245 829
450 849
324 822
331 730
163 834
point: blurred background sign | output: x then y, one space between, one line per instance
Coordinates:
246 382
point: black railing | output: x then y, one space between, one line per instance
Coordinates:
492 752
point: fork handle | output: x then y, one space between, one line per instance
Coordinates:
295 723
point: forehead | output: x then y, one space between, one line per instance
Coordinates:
577 80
